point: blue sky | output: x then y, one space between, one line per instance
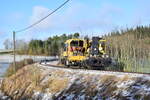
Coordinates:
89 17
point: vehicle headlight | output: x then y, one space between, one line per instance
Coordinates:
107 56
103 56
100 48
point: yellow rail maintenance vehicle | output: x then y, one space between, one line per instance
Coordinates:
85 53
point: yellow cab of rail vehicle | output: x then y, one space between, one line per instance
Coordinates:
74 52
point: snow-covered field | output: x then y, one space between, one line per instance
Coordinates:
6 59
49 83
9 58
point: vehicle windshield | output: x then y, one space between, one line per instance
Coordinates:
74 43
77 43
81 43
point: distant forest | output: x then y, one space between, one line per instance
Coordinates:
131 47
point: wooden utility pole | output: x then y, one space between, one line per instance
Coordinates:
14 51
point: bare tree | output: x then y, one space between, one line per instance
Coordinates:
8 44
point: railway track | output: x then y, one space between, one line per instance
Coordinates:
81 68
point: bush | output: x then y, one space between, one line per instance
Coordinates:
11 70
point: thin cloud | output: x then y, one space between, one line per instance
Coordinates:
78 15
38 13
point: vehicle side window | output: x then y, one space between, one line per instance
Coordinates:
65 47
81 43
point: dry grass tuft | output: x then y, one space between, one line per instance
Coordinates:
108 84
22 83
125 78
57 84
59 73
108 78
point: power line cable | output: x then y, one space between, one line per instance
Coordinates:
32 25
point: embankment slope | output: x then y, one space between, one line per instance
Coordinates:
37 82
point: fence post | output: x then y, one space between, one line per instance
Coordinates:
14 51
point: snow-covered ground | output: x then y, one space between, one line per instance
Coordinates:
52 83
97 85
